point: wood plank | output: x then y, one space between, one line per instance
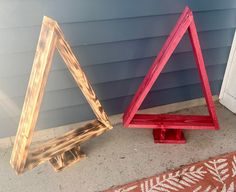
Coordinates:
159 63
80 77
172 121
202 72
34 95
67 158
60 145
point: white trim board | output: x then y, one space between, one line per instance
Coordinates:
42 135
228 89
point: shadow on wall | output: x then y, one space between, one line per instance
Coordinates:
8 105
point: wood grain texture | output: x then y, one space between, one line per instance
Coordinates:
171 136
34 95
158 65
172 121
67 158
131 119
80 77
23 158
60 145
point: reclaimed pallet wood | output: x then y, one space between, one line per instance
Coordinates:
131 119
64 149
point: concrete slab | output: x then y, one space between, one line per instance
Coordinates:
123 155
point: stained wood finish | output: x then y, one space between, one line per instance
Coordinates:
67 158
22 158
60 145
79 76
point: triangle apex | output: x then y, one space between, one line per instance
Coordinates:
187 9
49 20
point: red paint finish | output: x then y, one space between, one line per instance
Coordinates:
170 121
162 123
171 136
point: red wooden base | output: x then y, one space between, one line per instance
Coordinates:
170 136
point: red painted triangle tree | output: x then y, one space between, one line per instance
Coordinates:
167 128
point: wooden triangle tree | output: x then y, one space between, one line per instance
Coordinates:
65 150
168 128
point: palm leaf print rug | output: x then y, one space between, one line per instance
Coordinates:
217 174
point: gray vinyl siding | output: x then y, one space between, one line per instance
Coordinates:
116 42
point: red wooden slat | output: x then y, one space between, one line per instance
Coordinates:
169 121
202 72
159 63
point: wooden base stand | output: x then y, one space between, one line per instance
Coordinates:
171 136
67 158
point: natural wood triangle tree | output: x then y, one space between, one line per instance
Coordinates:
167 127
65 150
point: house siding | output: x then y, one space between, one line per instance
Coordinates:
116 43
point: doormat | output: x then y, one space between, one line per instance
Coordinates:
217 174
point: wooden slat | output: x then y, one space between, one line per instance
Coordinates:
159 63
80 78
64 143
171 121
202 72
67 158
34 95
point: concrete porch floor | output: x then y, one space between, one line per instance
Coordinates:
123 155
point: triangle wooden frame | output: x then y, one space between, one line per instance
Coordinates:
65 150
165 121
